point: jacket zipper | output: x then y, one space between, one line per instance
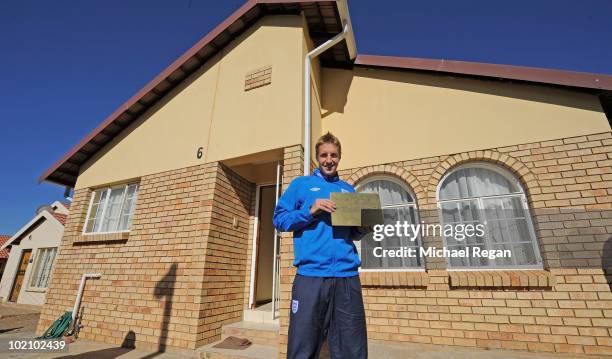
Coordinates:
334 253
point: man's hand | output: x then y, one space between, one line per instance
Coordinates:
322 205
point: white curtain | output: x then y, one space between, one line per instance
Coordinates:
111 219
44 264
398 205
98 208
128 208
507 222
112 209
475 182
390 193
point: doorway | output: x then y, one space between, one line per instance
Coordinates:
20 277
264 276
264 263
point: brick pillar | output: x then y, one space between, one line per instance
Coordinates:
228 201
293 165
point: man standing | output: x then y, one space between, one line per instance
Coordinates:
326 296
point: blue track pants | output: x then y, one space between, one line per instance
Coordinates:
327 307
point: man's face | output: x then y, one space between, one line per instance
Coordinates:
328 158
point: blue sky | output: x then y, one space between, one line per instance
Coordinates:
66 65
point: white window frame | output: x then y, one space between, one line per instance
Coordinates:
418 219
525 205
108 190
36 267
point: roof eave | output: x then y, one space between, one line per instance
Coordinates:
120 116
507 72
345 17
64 172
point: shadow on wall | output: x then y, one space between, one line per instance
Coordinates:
574 238
339 87
164 291
234 180
606 261
340 84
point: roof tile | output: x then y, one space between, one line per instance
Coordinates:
60 217
4 254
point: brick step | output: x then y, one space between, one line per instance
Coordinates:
254 351
257 333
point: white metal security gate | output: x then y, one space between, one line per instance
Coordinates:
276 257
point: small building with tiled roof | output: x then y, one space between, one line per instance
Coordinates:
61 218
31 255
4 253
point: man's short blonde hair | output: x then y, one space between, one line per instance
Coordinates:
328 138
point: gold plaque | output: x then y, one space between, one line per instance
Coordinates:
356 209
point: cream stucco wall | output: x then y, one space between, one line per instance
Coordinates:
380 115
268 117
46 235
384 116
211 110
166 137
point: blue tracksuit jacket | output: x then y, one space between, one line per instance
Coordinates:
320 249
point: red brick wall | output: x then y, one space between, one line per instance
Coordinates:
567 307
183 270
226 260
179 274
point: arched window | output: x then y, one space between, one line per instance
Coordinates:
398 204
486 194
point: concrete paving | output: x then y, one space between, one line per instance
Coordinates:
86 349
18 322
255 351
430 351
11 309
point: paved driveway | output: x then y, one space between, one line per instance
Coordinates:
18 321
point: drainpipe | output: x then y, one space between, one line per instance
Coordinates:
346 34
77 302
307 108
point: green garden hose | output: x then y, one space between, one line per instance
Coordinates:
59 326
